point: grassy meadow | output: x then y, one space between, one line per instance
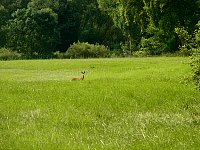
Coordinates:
123 103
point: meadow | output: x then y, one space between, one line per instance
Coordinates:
123 103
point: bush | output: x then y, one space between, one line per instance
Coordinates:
191 44
7 54
140 54
184 51
152 46
187 42
195 64
59 55
86 50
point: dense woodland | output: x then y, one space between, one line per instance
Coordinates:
125 27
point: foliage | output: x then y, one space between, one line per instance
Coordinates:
134 24
69 18
7 54
157 42
191 46
60 55
98 27
76 20
196 57
41 4
128 25
187 42
39 31
86 50
195 64
141 14
141 54
7 7
3 18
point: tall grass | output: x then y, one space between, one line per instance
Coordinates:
131 103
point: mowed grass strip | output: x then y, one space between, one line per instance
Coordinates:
123 103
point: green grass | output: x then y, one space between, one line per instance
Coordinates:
129 103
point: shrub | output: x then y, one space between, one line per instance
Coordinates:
186 42
59 55
116 53
191 44
7 54
195 64
152 46
86 50
140 54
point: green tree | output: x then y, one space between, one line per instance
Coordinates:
41 4
69 18
33 32
84 21
163 16
98 27
123 19
7 7
3 18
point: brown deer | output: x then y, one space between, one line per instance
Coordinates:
81 78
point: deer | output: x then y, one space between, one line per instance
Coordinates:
81 78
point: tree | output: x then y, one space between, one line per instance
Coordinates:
69 17
162 15
33 32
68 12
98 27
3 17
41 4
123 19
84 21
7 7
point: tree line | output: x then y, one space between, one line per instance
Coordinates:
41 27
38 28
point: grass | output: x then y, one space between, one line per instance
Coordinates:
129 103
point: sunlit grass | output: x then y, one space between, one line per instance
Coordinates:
129 103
